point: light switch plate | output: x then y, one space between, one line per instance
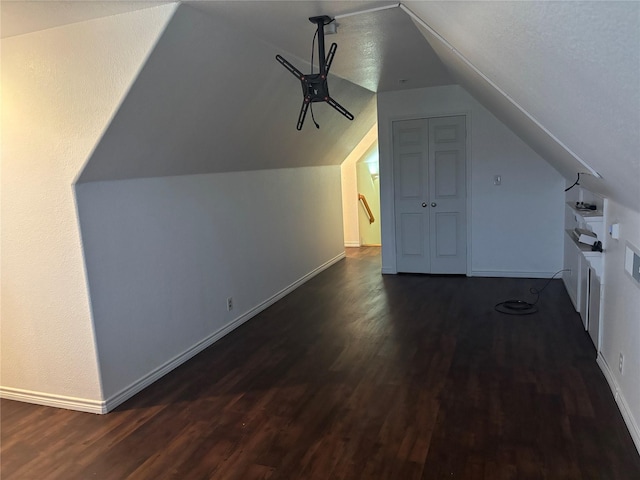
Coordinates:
614 231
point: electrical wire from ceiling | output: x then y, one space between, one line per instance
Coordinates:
313 46
577 182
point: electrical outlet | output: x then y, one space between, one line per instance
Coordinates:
229 304
620 363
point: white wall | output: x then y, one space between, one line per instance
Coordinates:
60 88
621 318
163 255
516 228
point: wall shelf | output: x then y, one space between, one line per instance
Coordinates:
585 266
592 220
585 213
583 247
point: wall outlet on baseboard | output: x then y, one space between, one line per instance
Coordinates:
229 304
621 362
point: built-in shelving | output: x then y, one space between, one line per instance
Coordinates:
592 220
585 249
584 266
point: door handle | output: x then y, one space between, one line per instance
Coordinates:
434 204
424 204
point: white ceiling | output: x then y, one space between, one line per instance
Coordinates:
376 50
565 76
231 107
26 16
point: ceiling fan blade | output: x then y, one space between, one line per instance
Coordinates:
330 55
303 113
339 108
294 71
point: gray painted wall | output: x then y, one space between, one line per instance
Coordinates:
211 99
163 255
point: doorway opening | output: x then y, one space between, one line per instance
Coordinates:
368 182
361 193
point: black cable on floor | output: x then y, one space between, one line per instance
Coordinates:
520 307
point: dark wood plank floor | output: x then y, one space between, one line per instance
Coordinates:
357 376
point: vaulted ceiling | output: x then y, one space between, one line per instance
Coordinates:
565 76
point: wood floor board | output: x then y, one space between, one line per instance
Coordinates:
356 375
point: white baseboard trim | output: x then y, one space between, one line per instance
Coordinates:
490 273
623 406
351 244
51 400
140 384
511 274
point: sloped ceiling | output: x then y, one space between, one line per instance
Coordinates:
21 17
565 76
377 42
212 99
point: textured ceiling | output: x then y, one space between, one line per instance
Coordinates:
25 16
196 108
565 76
376 50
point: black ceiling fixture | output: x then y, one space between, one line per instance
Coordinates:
314 85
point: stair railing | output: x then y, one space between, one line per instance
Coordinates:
365 204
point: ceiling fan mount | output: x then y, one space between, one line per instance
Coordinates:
314 85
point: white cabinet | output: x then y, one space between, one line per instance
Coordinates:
584 266
578 261
594 309
572 268
583 291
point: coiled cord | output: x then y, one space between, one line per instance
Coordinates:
520 307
